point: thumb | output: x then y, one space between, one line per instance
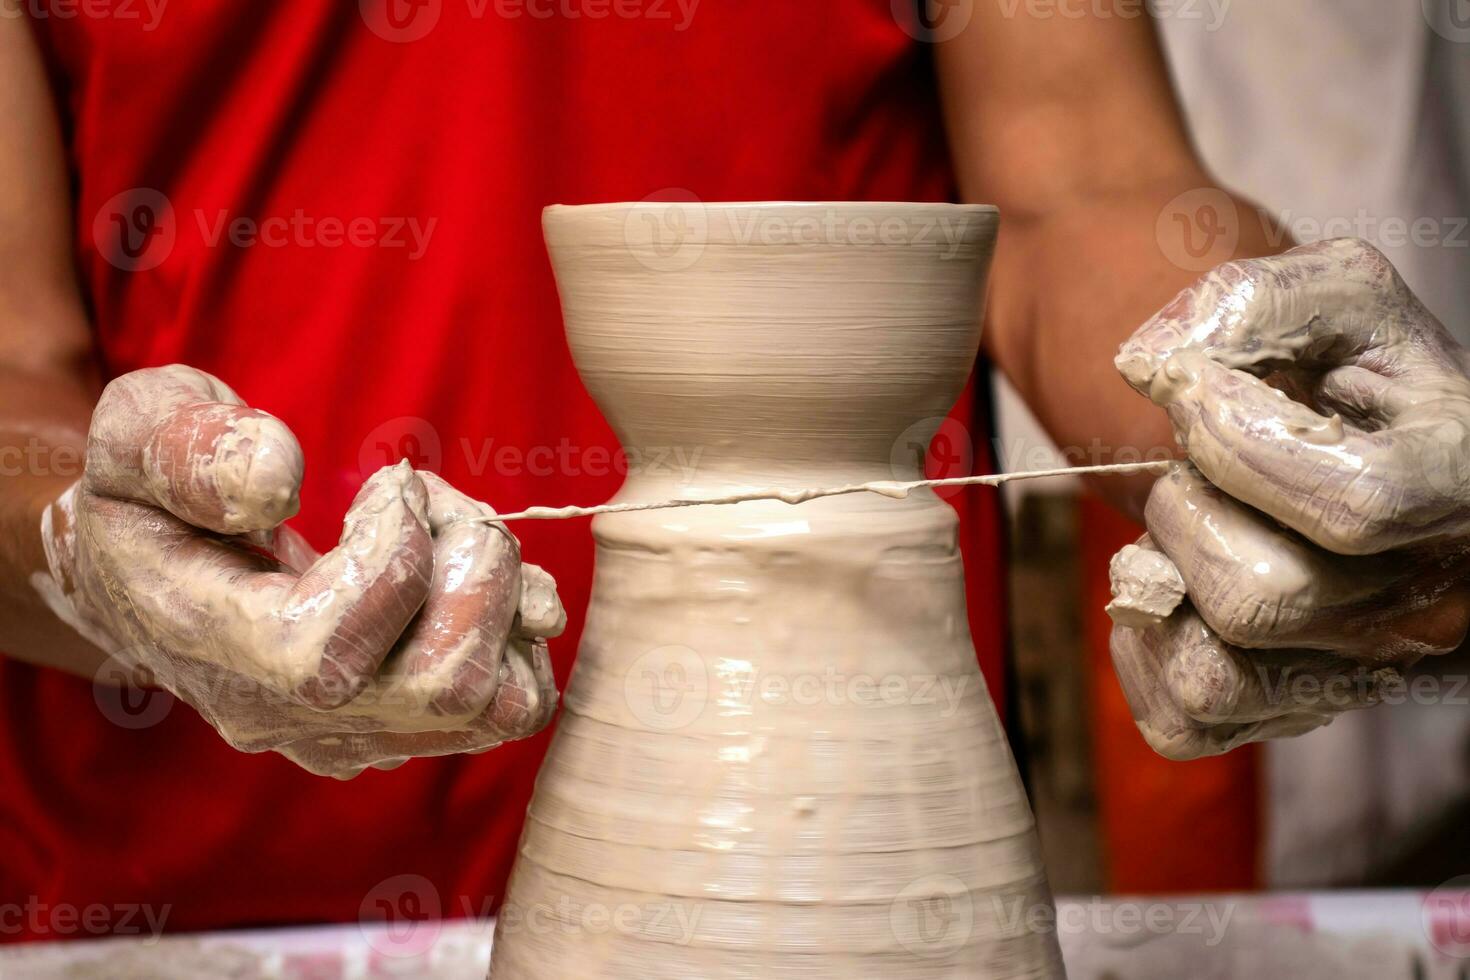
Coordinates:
179 439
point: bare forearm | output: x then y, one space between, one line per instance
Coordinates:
48 381
43 424
1070 125
1070 286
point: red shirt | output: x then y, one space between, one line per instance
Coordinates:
335 207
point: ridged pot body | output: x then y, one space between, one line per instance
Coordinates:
777 757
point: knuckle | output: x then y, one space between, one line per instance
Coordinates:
1243 617
1368 530
1125 645
1242 279
343 671
469 691
1365 257
1204 684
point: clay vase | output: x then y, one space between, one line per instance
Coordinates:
777 757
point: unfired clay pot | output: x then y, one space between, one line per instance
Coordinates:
777 759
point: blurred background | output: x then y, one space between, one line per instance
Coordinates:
1341 118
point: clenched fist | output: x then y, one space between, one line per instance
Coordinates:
419 634
1321 530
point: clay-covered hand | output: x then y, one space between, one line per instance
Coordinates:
1321 529
418 635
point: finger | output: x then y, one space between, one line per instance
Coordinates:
1259 586
207 602
1367 399
450 661
180 439
355 601
1213 682
524 704
345 755
526 698
541 610
1139 658
1323 304
1350 492
1255 584
1190 698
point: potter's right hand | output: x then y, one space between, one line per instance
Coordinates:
1321 529
417 635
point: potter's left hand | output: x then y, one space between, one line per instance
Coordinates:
1322 532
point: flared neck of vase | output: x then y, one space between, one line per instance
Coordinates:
738 343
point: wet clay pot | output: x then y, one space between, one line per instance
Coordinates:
777 757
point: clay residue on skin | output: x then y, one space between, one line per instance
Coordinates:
1370 453
1320 528
407 639
1146 586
